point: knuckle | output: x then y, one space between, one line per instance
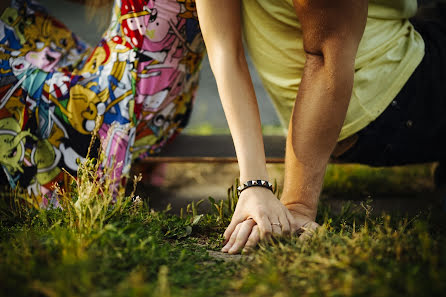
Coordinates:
251 243
294 226
286 229
260 213
237 243
266 232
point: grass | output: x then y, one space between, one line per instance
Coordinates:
207 128
108 244
380 257
355 181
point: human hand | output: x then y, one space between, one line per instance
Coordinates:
304 221
258 215
247 235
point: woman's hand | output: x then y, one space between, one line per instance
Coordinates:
258 215
246 234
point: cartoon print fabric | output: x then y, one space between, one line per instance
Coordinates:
135 88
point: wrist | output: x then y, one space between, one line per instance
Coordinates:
303 192
253 174
252 166
246 178
259 183
301 208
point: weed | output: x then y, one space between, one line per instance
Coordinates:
101 243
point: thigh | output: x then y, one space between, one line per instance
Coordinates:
37 54
168 67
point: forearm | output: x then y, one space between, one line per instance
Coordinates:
331 36
241 110
220 24
317 119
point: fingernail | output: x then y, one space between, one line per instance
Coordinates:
226 248
232 251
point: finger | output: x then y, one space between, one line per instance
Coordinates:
242 236
302 227
277 231
231 227
265 228
308 230
293 224
286 229
231 239
253 239
276 227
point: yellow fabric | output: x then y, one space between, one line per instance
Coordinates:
389 52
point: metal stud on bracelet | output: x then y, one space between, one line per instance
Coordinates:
255 183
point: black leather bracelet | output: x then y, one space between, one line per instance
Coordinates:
255 183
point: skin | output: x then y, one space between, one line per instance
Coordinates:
331 35
222 35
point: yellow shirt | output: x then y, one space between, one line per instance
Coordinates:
389 52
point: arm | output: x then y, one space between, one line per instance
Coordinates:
331 35
220 24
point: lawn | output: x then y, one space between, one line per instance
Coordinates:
95 248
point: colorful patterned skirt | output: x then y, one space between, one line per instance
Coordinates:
134 90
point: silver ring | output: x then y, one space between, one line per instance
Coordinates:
278 224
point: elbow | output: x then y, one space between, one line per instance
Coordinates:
231 56
314 59
333 54
338 64
333 73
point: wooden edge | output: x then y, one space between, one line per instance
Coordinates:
161 159
216 149
212 149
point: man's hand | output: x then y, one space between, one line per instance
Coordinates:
258 215
306 223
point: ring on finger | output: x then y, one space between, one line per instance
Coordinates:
276 224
